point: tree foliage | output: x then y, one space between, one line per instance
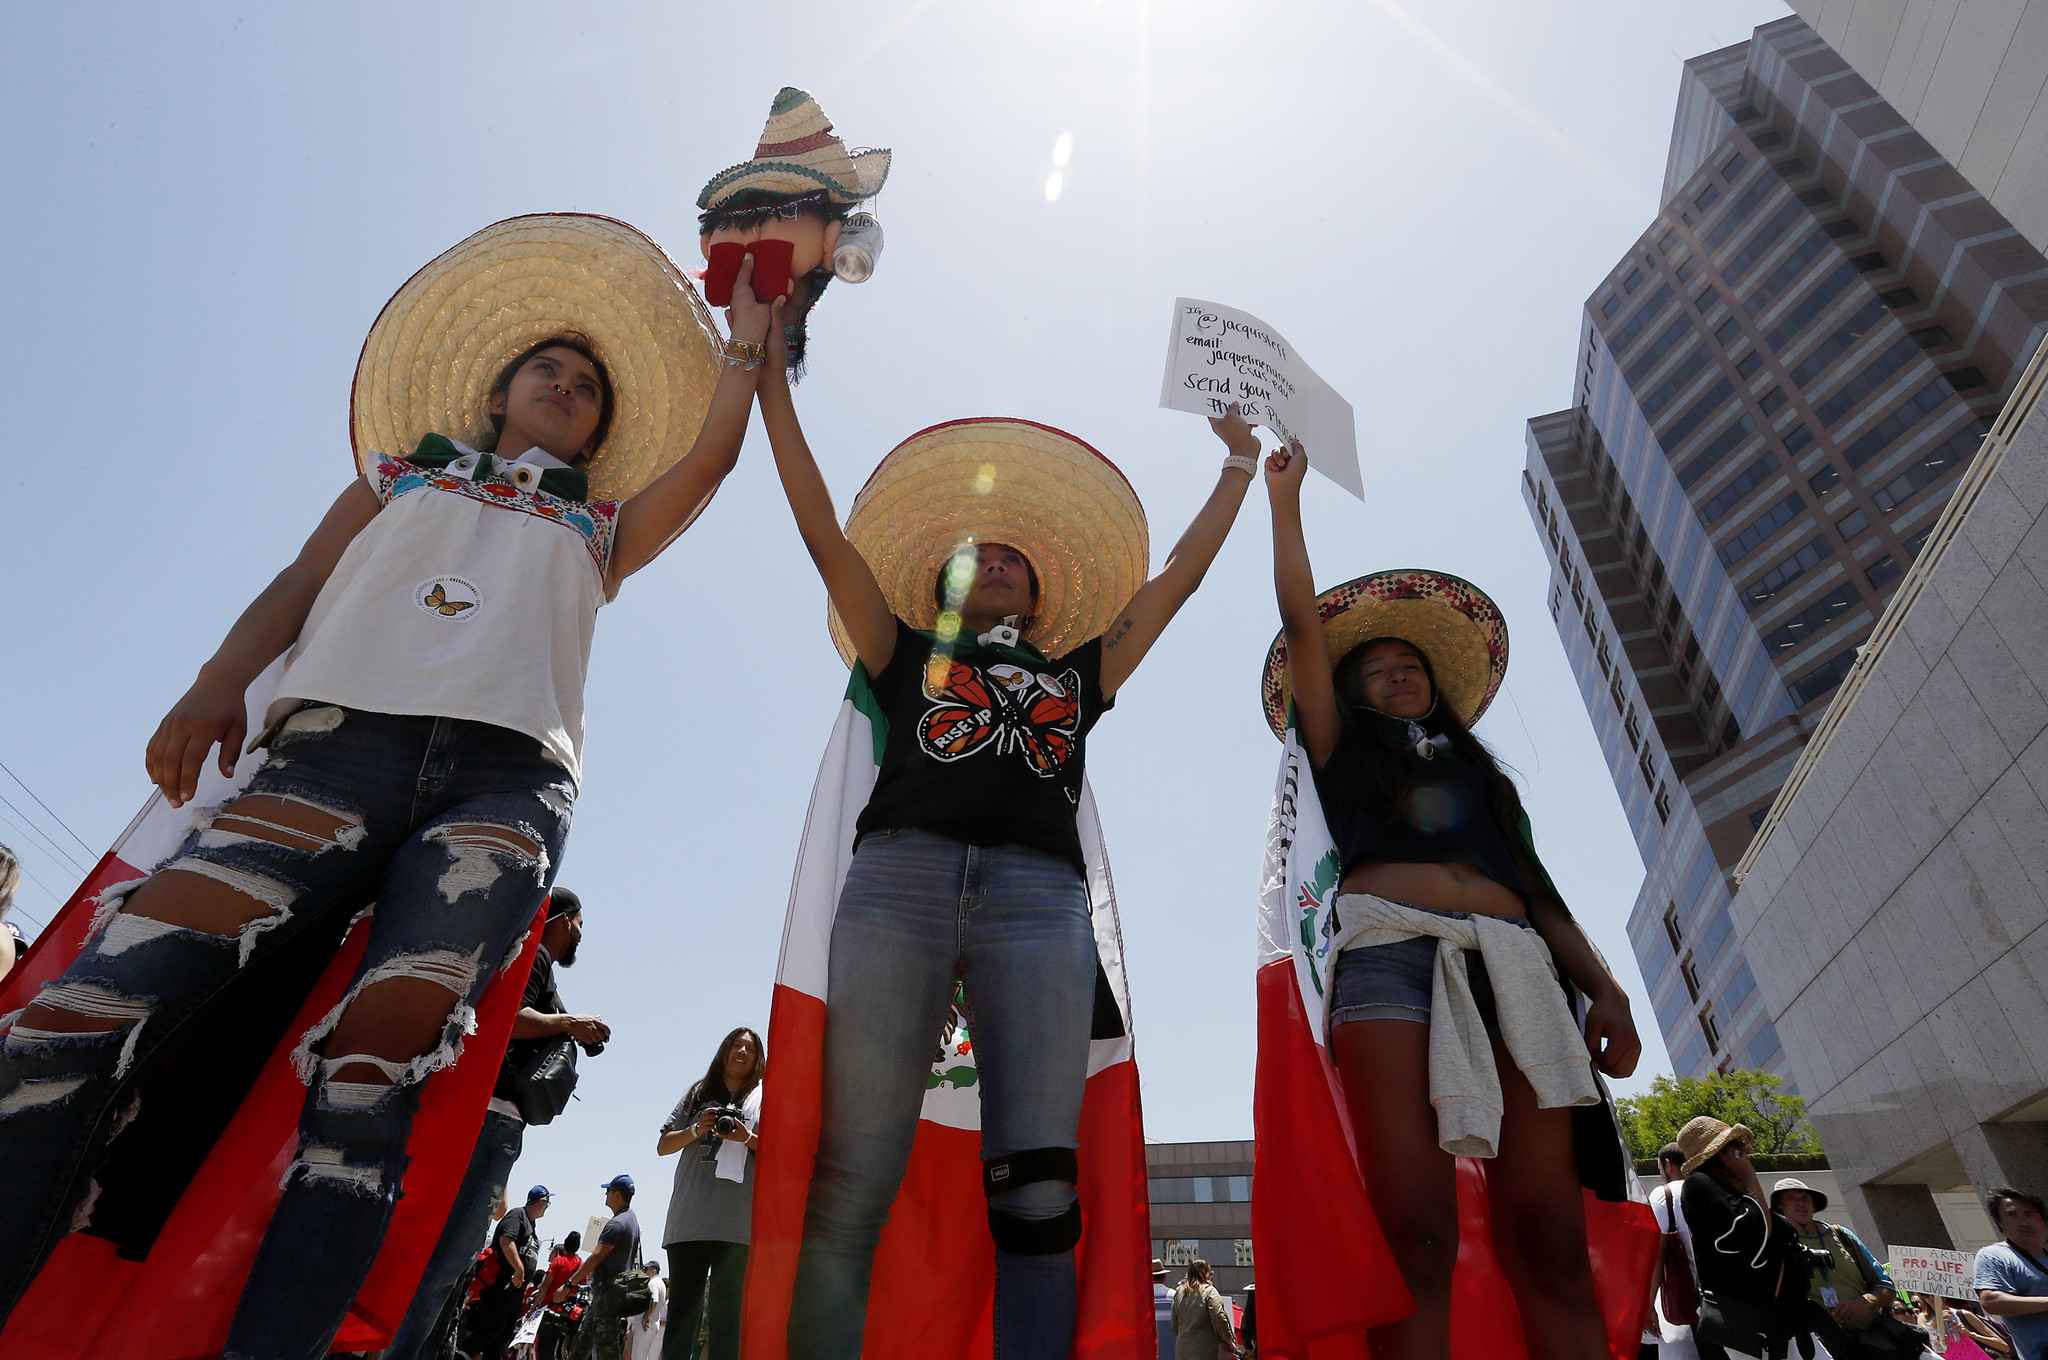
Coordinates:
1742 1096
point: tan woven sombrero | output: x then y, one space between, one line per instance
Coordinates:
1040 490
1451 620
439 343
798 154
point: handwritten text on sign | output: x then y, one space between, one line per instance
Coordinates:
1933 1270
1220 355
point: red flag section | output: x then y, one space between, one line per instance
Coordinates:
88 1304
1326 1275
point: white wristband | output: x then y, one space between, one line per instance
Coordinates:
1243 463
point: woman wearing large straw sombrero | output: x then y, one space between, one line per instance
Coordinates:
536 414
1440 957
990 586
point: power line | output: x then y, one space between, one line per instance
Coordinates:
47 808
55 848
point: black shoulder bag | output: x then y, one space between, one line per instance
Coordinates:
542 1085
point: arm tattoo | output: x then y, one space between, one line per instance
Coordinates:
1116 635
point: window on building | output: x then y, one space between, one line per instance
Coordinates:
1663 802
1671 930
1868 263
1748 364
1739 988
1824 481
1746 481
1649 770
1814 198
1241 1252
1706 408
1801 314
1607 307
1772 520
1965 379
1762 1048
1840 342
1707 197
1667 240
1707 300
1789 570
1903 487
1731 734
1557 600
1633 726
1734 166
1841 227
1872 376
1813 618
1883 571
1717 933
1772 400
1603 656
1710 690
1898 297
1633 281
1727 331
1797 438
1756 818
1823 679
1766 141
1711 1028
1788 272
1932 337
1852 524
1716 449
1688 971
1918 541
1685 271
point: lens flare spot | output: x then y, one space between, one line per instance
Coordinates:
1055 183
1063 149
985 479
948 626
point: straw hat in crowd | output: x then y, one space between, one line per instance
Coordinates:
1453 622
441 341
1820 1200
988 480
1704 1135
798 154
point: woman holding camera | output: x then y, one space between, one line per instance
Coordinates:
711 1209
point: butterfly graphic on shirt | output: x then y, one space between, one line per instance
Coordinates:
437 599
1000 709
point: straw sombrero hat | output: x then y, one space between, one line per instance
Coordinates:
798 154
1454 622
1703 1136
435 349
1040 490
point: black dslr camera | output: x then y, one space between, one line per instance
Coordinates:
724 1119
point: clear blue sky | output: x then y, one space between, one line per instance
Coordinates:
207 205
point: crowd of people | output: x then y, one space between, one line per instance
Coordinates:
1747 1275
421 756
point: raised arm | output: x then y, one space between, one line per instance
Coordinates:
1611 1036
1301 623
652 519
848 580
213 711
1128 639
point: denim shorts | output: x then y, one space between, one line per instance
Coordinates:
1396 981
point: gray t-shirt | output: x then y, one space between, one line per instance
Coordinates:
525 1237
622 1235
702 1207
2000 1267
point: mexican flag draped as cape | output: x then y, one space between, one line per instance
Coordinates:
187 1190
1326 1274
934 1277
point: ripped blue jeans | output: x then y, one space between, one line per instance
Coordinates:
453 826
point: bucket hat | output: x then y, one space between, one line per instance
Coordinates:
990 480
799 154
1820 1200
432 354
1453 622
1703 1136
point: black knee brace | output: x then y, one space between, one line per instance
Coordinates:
1032 1236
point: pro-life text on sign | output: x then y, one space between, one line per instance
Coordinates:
1933 1270
1219 355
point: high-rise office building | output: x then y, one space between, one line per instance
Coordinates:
1778 386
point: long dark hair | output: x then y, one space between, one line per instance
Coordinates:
711 1090
1390 765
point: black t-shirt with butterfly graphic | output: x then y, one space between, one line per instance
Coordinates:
986 742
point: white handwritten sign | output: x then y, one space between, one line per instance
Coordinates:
1933 1270
1219 355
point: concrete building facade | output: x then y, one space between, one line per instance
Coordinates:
1895 908
1778 387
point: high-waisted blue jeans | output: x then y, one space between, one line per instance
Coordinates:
918 912
455 827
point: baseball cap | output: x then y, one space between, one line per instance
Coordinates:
539 1192
563 902
620 1182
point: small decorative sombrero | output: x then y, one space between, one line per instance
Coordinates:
440 342
1038 489
1455 624
798 154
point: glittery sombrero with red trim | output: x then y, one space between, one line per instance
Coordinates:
1455 624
